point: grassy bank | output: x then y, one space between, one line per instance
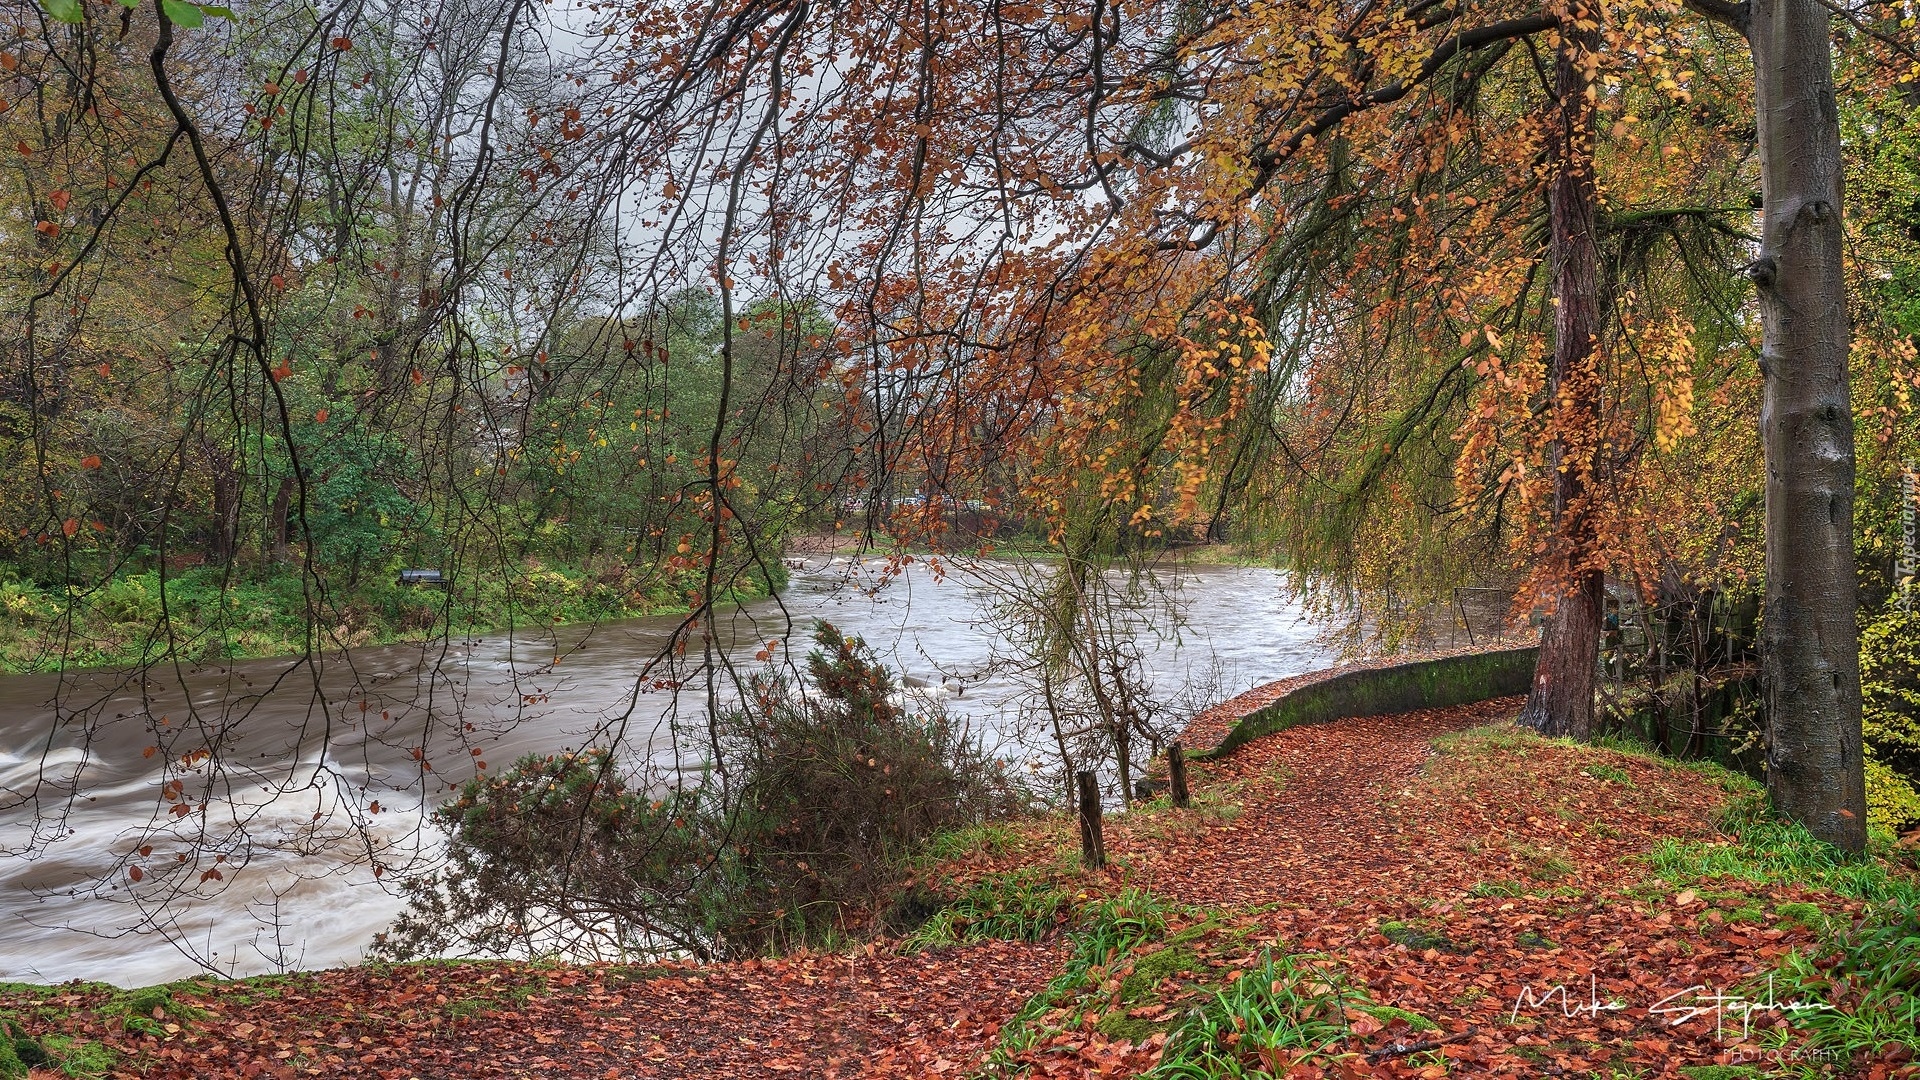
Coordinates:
203 614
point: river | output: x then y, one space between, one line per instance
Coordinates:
296 780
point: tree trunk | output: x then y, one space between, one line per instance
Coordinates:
282 510
1810 647
1561 702
225 477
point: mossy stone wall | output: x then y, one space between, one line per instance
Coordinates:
1420 684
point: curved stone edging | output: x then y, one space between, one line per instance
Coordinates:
1420 684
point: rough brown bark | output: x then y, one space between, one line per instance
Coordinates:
1561 702
1810 644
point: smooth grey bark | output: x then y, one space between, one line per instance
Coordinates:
1561 701
1810 640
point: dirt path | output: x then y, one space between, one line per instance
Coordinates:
1467 889
1315 825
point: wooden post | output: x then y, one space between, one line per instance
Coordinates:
1093 846
1177 774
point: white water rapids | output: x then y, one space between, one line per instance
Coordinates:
273 875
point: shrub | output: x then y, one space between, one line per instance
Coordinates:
844 787
811 812
1890 707
558 854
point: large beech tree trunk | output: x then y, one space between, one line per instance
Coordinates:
1810 643
1561 701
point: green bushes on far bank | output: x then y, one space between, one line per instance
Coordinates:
206 613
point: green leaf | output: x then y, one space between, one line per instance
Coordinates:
181 13
214 11
66 11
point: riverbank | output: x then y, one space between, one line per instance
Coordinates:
202 615
205 616
1426 894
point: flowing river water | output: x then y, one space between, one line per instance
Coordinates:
297 780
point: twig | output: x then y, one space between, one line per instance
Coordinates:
1375 1057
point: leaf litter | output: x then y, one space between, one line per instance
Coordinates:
1483 895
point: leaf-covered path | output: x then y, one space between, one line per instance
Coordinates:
1462 886
1498 889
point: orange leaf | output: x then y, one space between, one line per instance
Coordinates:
91 461
343 43
70 526
418 378
320 417
60 199
134 873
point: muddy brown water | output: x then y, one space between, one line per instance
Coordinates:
263 858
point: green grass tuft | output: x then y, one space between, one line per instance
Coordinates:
1019 906
80 1059
147 1010
989 838
1866 977
1762 850
1107 934
1290 1005
1612 773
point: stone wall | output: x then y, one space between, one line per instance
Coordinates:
1419 684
